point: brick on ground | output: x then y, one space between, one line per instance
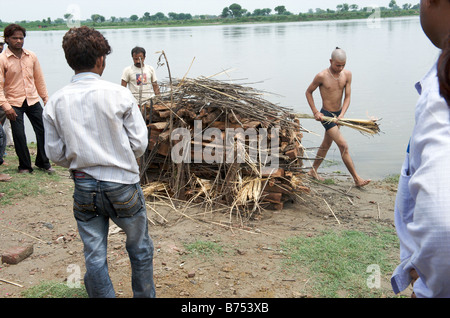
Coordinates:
17 254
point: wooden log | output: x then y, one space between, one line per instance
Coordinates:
292 154
159 125
164 148
276 173
273 197
165 114
164 136
162 107
285 189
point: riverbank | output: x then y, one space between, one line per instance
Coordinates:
164 23
198 254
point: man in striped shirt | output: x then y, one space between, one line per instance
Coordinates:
94 128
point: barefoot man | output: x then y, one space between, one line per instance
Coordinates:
332 83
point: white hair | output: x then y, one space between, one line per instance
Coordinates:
338 55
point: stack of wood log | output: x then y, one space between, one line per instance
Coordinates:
196 105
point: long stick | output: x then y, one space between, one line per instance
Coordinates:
331 211
24 234
8 282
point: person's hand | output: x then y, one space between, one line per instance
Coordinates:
414 277
11 114
318 116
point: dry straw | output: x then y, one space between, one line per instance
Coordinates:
365 126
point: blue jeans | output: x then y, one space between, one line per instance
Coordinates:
95 202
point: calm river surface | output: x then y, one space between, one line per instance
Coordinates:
386 60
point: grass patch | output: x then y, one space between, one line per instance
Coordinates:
204 248
51 289
338 261
393 178
327 181
25 185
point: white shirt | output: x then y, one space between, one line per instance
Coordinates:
95 126
422 211
138 79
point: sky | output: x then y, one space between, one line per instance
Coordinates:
32 10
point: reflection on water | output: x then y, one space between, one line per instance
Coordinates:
283 59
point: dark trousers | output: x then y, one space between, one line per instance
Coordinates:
2 143
34 114
2 135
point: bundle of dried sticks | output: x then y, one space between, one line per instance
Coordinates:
365 126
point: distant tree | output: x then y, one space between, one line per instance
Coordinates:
259 12
354 7
407 6
185 16
97 18
146 16
179 16
134 18
280 9
159 16
343 7
236 10
226 12
393 5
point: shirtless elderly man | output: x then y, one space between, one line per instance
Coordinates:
332 83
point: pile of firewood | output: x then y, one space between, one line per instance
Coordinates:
196 105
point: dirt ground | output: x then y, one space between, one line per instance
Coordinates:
251 265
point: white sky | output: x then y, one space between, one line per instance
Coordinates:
37 10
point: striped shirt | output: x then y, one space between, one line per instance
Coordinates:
422 209
20 79
95 126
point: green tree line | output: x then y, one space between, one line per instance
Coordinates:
234 13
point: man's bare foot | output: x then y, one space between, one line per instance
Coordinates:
313 173
361 183
5 177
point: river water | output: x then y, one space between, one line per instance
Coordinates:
386 60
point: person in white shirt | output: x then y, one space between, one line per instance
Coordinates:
422 208
140 78
94 128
